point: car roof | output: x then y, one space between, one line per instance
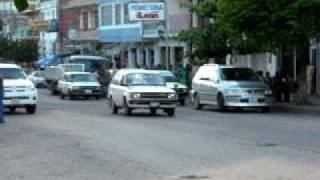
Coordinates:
74 73
131 71
87 57
162 72
9 66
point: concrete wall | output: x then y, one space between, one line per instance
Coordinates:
265 62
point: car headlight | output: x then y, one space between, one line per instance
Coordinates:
268 92
135 95
172 96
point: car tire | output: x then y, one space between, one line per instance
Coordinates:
62 96
171 112
196 102
182 102
31 109
221 103
113 106
12 109
265 109
127 110
153 111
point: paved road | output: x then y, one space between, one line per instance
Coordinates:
82 140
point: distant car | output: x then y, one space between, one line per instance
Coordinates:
38 79
141 89
79 84
19 91
230 87
172 83
55 73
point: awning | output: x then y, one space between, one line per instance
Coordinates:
51 60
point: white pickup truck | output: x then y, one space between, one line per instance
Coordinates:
19 91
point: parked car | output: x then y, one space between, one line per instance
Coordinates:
230 87
55 73
141 89
38 79
79 84
19 91
172 83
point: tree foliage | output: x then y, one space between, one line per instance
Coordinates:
21 5
249 26
19 51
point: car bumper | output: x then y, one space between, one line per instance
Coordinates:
261 101
20 100
148 104
86 93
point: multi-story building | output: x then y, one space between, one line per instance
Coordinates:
79 25
143 35
48 15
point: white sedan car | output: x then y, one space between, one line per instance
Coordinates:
38 79
79 84
141 89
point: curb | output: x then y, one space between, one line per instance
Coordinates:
296 109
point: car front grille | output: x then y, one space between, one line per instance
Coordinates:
88 87
17 98
154 95
256 91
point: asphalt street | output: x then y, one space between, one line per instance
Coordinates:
82 140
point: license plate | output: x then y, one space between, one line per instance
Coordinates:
15 101
253 100
154 104
88 91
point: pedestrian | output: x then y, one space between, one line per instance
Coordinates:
293 88
277 84
285 90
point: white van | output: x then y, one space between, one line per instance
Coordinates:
19 91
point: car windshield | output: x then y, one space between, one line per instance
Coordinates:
12 73
92 65
83 78
145 79
73 67
38 74
239 74
169 78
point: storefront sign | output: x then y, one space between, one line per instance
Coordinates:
40 25
146 11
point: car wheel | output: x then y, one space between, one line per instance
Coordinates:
182 102
127 110
113 107
265 109
62 96
171 112
153 111
12 109
221 102
31 109
196 102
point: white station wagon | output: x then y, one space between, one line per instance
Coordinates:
141 89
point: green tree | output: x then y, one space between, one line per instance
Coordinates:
21 5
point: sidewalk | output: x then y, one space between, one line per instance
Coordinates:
312 107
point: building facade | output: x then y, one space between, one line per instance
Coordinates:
79 25
147 41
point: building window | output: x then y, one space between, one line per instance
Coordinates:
126 15
96 18
106 15
118 11
84 24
